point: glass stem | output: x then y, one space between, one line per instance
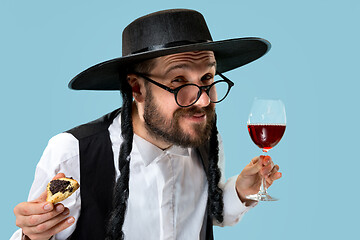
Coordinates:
263 188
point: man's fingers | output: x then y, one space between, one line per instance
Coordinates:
38 216
47 230
37 206
254 166
62 226
267 168
32 208
273 175
48 224
34 220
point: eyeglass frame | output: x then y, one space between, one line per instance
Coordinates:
201 88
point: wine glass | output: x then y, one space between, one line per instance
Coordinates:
266 126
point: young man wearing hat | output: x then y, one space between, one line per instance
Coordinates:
152 169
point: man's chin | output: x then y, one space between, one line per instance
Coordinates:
193 130
196 135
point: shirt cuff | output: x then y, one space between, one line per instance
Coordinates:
234 209
24 237
17 235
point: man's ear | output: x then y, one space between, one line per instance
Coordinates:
137 86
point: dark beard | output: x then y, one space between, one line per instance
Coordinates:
170 131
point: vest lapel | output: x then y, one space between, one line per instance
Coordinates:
203 152
97 177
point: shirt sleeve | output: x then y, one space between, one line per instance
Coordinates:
19 236
234 209
60 156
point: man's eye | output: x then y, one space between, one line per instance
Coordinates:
207 77
178 80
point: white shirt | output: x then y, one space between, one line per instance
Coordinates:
167 189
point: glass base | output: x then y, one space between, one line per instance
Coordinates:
261 197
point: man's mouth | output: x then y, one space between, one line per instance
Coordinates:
197 117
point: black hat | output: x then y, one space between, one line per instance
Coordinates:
163 33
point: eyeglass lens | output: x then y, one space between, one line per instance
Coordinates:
190 94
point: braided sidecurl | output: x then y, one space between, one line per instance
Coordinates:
215 193
121 190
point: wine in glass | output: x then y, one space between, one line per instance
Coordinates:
266 126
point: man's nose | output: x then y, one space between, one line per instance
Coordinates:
204 100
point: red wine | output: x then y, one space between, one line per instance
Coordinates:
266 136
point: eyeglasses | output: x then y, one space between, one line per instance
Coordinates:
188 94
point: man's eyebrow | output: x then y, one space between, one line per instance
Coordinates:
212 64
184 66
179 66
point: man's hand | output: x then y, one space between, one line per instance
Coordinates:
249 180
40 219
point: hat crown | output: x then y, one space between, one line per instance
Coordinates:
164 29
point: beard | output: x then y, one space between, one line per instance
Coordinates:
169 130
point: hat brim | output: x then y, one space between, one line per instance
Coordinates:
229 54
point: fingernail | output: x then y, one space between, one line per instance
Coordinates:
59 208
48 206
71 220
66 212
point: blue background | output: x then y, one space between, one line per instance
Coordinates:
313 67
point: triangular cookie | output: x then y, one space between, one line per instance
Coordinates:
60 189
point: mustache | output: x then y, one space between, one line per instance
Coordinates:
208 110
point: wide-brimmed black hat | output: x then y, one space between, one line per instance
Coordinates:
163 33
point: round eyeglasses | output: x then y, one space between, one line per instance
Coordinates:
188 94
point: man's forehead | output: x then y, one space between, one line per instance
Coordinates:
196 55
187 59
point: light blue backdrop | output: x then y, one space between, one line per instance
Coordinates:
313 67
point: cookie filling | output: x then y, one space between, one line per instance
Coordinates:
59 186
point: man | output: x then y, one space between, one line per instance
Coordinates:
162 147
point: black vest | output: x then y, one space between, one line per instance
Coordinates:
97 178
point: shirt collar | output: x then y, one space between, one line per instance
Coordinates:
149 152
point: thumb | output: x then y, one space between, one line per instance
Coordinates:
42 197
59 175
